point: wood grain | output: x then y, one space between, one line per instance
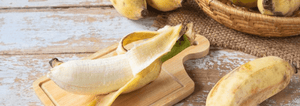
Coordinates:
147 95
4 4
74 30
18 72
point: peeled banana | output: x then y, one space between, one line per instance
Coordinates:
165 5
102 76
251 83
132 9
126 72
278 7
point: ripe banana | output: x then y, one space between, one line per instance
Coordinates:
245 3
102 76
165 5
132 9
278 7
251 83
135 36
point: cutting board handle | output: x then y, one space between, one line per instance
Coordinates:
200 48
175 67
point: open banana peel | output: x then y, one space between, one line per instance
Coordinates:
126 72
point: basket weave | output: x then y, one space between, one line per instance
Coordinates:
250 22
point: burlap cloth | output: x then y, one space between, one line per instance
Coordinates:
287 48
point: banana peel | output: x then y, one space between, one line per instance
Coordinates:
179 46
141 78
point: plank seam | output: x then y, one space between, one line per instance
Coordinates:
57 7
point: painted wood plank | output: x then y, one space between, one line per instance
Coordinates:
29 31
51 3
17 74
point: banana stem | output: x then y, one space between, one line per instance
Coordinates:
54 62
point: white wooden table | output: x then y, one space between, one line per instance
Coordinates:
34 31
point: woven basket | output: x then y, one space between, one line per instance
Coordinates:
250 22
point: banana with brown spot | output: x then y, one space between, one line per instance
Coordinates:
251 83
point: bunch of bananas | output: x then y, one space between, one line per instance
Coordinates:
271 7
136 9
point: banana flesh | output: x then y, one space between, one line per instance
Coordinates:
251 83
132 9
278 7
165 5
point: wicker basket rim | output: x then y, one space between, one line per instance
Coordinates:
251 15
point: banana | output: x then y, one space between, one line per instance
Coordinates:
132 9
251 83
165 5
278 7
105 75
245 3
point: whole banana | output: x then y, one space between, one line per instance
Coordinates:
251 83
245 3
165 5
278 7
132 9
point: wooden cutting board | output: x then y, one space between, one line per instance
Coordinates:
172 85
